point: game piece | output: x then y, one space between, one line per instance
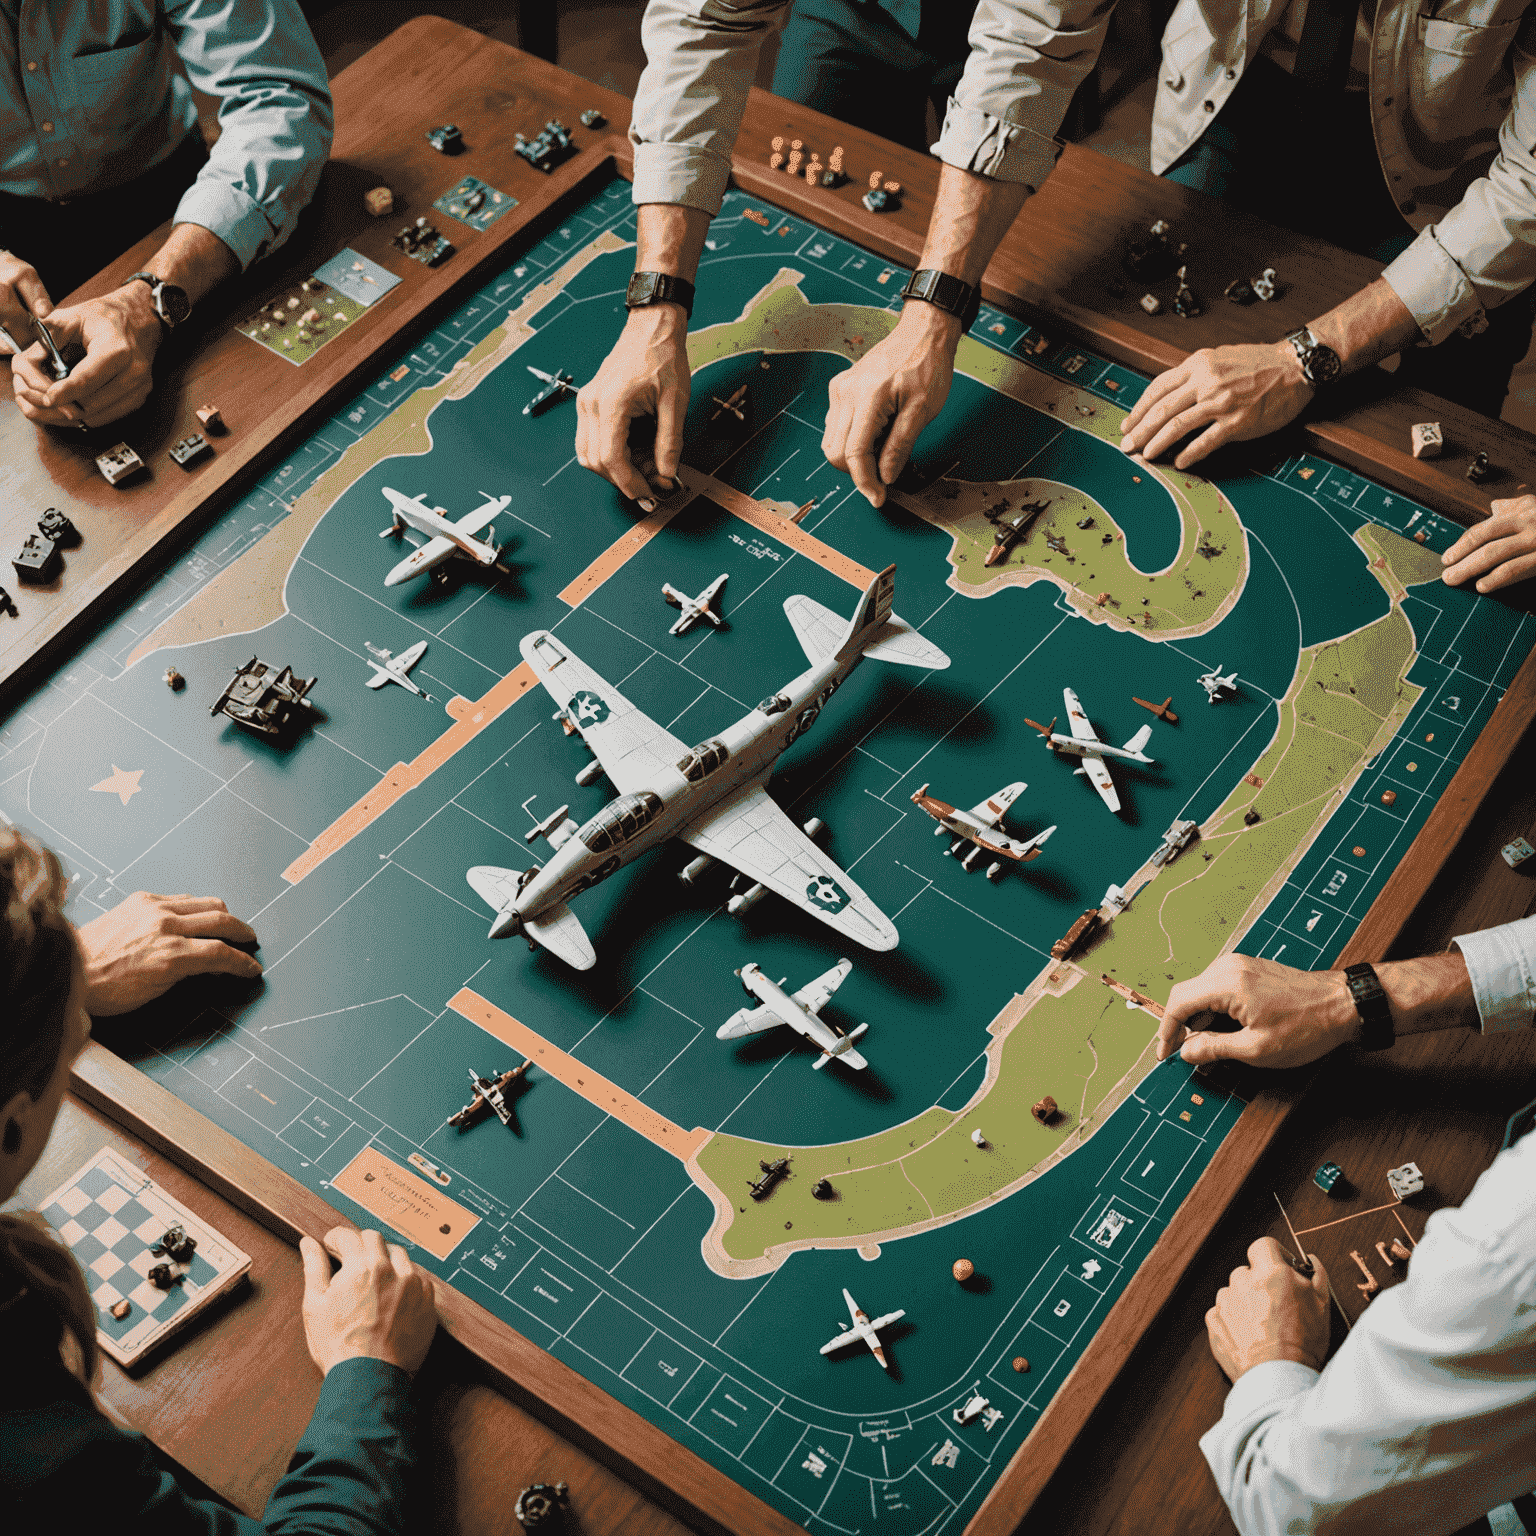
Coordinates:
775 1006
592 118
1400 1250
970 1409
1240 291
189 449
1045 1111
394 669
1115 899
1162 711
379 201
1386 1258
1085 522
1215 685
693 608
1327 1178
863 1329
980 830
1428 439
734 404
162 1276
174 680
1077 935
1516 853
796 158
422 242
1085 745
962 1270
877 200
1389 797
121 1309
445 540
1372 1284
175 1245
771 1173
542 1506
1479 469
1266 286
8 604
490 1097
552 145
1020 1364
1154 256
446 140
822 1189
264 700
977 1139
1405 1182
1151 303
55 526
37 562
1009 534
557 386
118 463
1186 302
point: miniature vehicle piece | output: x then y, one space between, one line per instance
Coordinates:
190 449
970 1409
545 151
1077 935
174 680
1516 853
1240 291
443 539
265 700
1216 685
734 404
772 1172
542 1506
802 1011
1085 744
1176 839
118 463
211 417
37 561
8 604
1154 256
1405 1181
1186 302
1251 817
379 201
490 1097
1428 440
121 1308
1479 469
175 1245
54 525
863 1328
877 200
821 1189
1046 1110
422 242
592 118
557 386
1327 1177
1009 534
446 140
1162 711
980 830
1151 303
962 1270
162 1277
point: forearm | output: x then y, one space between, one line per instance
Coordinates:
193 258
970 217
670 239
1368 326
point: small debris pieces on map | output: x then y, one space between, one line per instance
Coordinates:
1516 853
962 1270
475 203
1428 440
1405 1182
1479 469
1046 1110
121 1308
211 417
446 140
1251 816
37 561
8 604
118 463
421 242
190 449
1154 256
1327 1178
263 699
548 148
379 201
54 525
174 680
592 118
542 1506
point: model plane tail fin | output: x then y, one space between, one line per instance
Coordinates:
881 635
1139 740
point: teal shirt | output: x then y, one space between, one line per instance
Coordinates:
93 93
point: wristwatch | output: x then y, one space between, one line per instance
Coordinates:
171 303
1376 1032
945 292
1319 364
659 288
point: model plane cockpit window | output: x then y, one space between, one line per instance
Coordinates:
619 820
703 760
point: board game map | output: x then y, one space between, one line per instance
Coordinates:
611 1221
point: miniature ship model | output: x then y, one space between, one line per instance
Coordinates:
981 827
265 700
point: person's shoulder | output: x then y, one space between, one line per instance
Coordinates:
55 1445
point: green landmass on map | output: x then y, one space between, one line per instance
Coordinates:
287 336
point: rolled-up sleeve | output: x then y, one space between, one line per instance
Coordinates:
701 57
275 118
1502 965
1027 58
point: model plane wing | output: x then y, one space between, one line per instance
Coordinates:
991 809
814 994
630 745
752 834
1098 776
1076 717
483 516
433 552
842 1341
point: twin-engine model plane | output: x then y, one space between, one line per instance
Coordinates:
1084 743
556 386
444 539
981 827
864 1329
776 1007
711 796
394 669
1216 685
694 608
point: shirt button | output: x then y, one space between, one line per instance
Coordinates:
1210 106
47 127
1175 82
63 163
32 67
1231 74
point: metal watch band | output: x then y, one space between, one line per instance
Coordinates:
659 288
945 292
1319 363
1371 1004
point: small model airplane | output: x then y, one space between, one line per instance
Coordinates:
556 385
776 1007
864 1329
981 827
1162 711
393 669
733 404
1215 684
444 539
694 608
490 1097
1084 743
762 1186
1009 534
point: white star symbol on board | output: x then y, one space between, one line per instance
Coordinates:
122 784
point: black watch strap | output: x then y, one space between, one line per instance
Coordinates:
945 292
659 288
1372 1005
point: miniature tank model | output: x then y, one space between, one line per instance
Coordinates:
772 1172
552 145
1077 935
37 561
265 700
1327 1178
54 525
189 450
118 463
1176 839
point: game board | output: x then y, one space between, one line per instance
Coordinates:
610 1223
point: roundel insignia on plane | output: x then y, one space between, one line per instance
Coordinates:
827 894
588 708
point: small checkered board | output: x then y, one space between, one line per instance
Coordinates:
111 1214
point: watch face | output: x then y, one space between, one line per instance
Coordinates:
1324 365
173 303
641 290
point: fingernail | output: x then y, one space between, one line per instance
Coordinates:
646 504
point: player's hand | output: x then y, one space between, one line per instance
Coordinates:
1498 552
1233 392
1288 1017
22 296
120 334
1267 1311
646 374
902 381
377 1306
146 944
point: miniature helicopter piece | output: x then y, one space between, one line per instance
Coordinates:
772 1172
265 700
981 827
557 386
1162 711
393 669
490 1098
800 1012
1084 743
694 608
1009 534
863 1328
1216 685
734 404
443 539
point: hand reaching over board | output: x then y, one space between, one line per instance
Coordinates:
1497 552
377 1306
1268 1311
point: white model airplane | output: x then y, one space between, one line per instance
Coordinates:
394 669
981 827
1084 743
1215 684
864 1329
444 539
694 608
556 385
776 1007
711 796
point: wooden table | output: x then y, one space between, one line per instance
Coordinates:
1441 1100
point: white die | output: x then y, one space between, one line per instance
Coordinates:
1405 1181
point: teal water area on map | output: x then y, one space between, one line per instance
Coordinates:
589 1241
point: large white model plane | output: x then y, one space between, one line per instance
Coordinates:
981 827
711 796
1084 743
776 1007
863 1329
1215 684
395 669
694 608
443 539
